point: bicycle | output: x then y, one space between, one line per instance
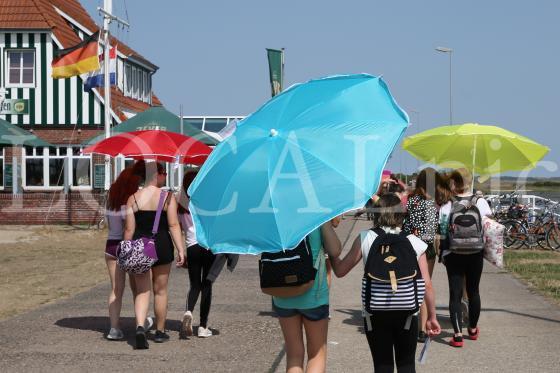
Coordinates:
530 227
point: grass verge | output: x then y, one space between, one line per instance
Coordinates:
539 269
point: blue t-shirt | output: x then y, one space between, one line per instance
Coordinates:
318 294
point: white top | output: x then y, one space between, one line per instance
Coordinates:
115 222
188 228
367 238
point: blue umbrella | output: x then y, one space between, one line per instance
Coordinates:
309 154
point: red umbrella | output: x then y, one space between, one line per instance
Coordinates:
153 144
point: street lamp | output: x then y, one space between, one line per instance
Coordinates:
449 51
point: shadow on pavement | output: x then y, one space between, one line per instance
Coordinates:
510 312
128 324
355 319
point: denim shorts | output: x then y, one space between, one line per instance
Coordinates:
311 314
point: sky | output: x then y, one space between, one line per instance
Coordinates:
504 68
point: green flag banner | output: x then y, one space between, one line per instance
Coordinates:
276 70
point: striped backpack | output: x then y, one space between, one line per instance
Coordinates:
392 280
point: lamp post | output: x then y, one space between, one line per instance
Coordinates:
417 113
449 51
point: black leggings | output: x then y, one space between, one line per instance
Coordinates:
199 262
461 269
388 333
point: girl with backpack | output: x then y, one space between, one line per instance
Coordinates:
462 252
309 310
391 324
422 221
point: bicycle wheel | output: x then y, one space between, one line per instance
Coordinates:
515 234
553 237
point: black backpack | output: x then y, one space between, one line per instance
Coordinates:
465 226
288 273
392 280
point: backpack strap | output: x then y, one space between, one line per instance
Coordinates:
162 198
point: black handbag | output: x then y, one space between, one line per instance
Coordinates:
288 273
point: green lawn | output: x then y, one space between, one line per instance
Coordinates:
539 269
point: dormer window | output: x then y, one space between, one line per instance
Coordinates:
137 83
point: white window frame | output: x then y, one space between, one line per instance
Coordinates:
149 88
127 79
44 154
134 86
7 68
3 158
60 154
71 158
36 153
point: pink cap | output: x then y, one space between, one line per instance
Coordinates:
386 174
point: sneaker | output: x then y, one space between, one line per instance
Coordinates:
422 337
186 326
141 340
115 334
148 324
161 337
456 341
204 332
473 336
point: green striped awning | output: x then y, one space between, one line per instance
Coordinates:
10 134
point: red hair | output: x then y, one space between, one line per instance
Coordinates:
126 185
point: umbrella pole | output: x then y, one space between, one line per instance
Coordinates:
473 164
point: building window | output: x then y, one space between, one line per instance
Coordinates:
43 168
214 124
2 157
81 167
146 87
56 167
33 162
20 68
128 80
137 83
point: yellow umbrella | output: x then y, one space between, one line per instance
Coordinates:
485 150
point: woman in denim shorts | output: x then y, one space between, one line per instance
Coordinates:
309 310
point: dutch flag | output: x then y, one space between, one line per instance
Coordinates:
95 78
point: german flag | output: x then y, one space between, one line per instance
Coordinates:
76 60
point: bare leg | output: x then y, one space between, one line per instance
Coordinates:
117 288
423 308
316 336
160 278
142 298
293 343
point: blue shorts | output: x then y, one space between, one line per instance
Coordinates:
311 314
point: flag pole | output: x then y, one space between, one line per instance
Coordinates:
108 17
108 7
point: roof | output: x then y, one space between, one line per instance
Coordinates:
42 15
120 102
21 14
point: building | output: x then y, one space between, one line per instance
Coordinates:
212 125
58 111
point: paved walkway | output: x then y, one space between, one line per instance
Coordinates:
519 330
